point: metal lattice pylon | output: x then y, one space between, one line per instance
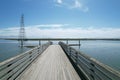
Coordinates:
22 31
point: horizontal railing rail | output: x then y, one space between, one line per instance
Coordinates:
90 68
13 67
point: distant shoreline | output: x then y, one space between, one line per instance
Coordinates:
58 39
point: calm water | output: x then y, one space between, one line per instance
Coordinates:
107 52
9 49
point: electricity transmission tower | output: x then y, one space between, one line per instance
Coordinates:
22 31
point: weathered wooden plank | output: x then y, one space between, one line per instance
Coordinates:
15 59
53 64
4 71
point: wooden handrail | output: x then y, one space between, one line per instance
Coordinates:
90 67
13 67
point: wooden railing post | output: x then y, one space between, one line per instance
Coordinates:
67 42
70 51
76 58
79 44
39 42
67 49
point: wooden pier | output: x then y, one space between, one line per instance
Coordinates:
53 64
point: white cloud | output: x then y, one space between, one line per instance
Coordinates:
63 32
50 25
79 5
59 1
72 4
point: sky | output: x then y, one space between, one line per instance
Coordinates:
61 18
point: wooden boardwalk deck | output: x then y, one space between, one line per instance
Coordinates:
52 64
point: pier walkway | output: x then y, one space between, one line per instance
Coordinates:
52 64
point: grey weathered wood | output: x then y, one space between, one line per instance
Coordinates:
91 68
53 64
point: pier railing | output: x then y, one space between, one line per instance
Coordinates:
12 68
90 68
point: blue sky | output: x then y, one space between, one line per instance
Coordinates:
71 18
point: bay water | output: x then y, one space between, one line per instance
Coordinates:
107 52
